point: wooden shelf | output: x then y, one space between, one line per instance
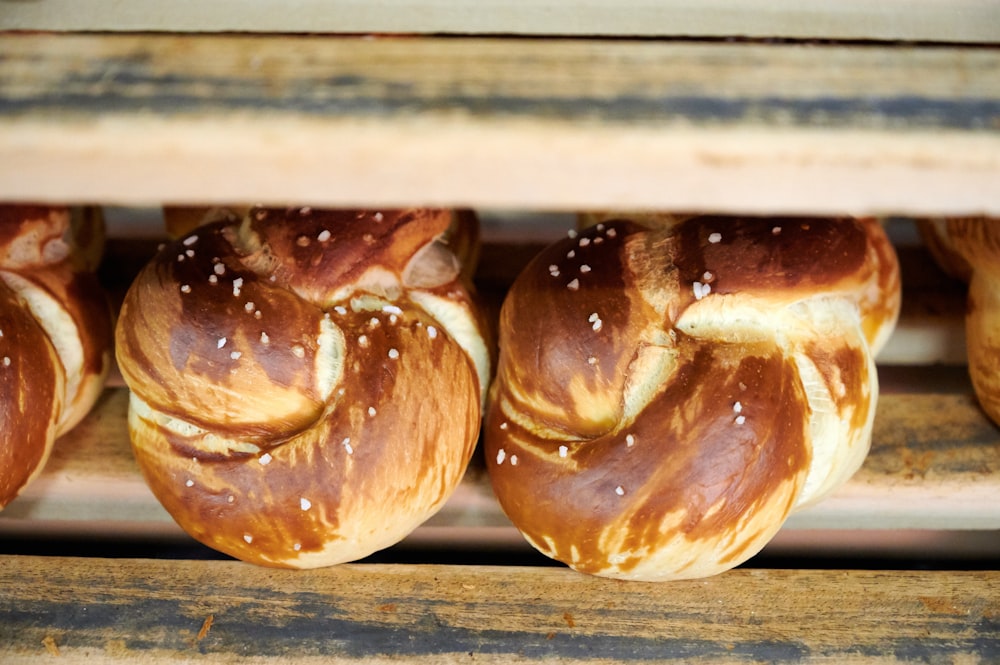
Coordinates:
915 20
762 106
530 124
114 611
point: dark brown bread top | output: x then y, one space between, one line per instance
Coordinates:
307 384
668 390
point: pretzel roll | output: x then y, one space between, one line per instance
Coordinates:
306 385
668 391
181 220
934 233
55 332
977 241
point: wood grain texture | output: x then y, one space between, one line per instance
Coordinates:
143 611
916 20
546 124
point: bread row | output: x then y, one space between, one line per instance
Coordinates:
308 386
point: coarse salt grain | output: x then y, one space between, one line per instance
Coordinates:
501 456
213 279
393 353
185 288
247 537
235 355
503 425
513 460
571 233
574 285
323 236
432 332
6 361
340 309
189 253
189 483
611 233
265 459
249 307
363 341
737 407
297 546
221 343
371 411
740 420
584 242
584 268
629 440
620 491
264 339
591 360
347 445
190 240
571 254
305 503
776 231
563 451
219 269
715 238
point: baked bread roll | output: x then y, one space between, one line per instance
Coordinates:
55 332
306 385
669 390
974 245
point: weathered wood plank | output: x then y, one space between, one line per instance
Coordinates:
543 124
145 611
914 20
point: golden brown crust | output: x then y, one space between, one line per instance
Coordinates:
55 346
307 384
976 241
669 389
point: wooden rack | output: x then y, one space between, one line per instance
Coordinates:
527 111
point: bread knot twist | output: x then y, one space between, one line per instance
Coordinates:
669 389
969 248
306 384
55 332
